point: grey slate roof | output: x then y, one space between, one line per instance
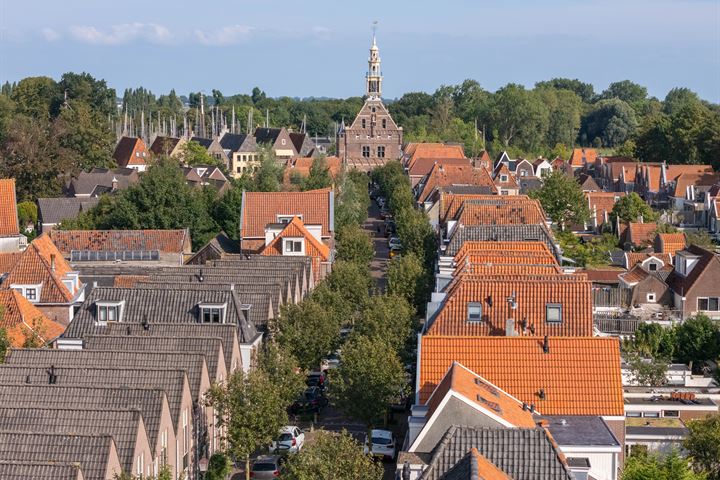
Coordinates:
193 363
657 431
208 346
93 453
55 210
580 430
205 142
266 135
86 182
524 454
219 245
179 306
500 233
238 143
172 382
124 426
39 471
150 401
466 469
227 333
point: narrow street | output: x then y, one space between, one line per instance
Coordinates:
374 226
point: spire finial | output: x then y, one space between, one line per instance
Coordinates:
374 30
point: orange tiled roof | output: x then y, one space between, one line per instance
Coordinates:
685 180
539 248
652 174
129 281
302 165
167 241
446 175
20 318
602 203
641 233
487 470
509 183
635 275
582 156
314 248
504 256
482 393
673 171
532 295
34 267
633 258
262 208
479 265
669 242
8 261
578 376
450 203
617 167
8 208
432 150
501 211
423 165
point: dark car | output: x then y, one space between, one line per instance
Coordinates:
311 401
317 379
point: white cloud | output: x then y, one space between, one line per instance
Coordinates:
121 34
223 36
50 35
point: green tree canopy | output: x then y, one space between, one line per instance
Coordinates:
562 199
656 467
283 369
319 176
308 331
610 123
703 445
388 318
354 245
631 208
698 339
408 278
351 280
332 456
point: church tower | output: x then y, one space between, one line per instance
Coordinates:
373 79
374 137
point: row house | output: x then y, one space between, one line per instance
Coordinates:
213 148
601 205
99 181
297 169
687 198
242 153
23 321
617 176
96 455
164 146
264 215
583 158
414 151
200 176
53 211
422 166
451 175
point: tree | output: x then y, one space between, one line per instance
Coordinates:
678 98
351 280
27 214
656 467
698 340
368 379
519 116
610 123
226 210
703 445
194 154
282 368
647 371
37 97
416 234
626 91
631 208
250 409
268 176
352 200
319 175
4 341
583 90
654 340
701 238
562 199
308 331
354 245
592 253
219 467
332 456
409 279
564 121
386 317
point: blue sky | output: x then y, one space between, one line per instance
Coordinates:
319 48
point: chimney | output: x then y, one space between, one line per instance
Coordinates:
52 262
114 184
541 394
52 378
510 328
201 278
546 345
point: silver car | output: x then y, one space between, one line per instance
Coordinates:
266 466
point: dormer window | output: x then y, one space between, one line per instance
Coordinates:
30 292
287 218
212 312
293 246
503 178
652 267
553 313
474 312
109 311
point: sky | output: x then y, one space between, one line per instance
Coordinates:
320 47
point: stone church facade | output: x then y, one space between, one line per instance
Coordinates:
373 138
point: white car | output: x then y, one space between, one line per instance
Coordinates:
394 243
383 444
291 440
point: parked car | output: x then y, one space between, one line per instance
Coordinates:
267 466
290 440
317 379
311 401
380 201
332 361
383 444
394 242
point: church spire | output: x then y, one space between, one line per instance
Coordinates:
373 79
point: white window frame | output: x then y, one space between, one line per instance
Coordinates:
119 307
553 306
287 218
22 289
651 298
471 308
222 310
186 432
293 242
